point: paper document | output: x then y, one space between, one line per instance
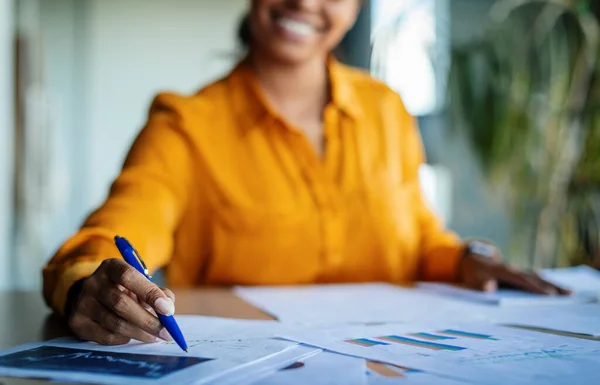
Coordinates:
357 303
577 319
582 280
217 347
324 368
400 376
505 297
476 353
253 375
215 329
92 363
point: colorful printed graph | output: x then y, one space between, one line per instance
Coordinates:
460 333
419 343
431 337
365 342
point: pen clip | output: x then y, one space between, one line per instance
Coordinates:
140 260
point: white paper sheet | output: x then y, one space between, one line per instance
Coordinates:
476 353
142 364
324 368
326 305
583 280
505 297
268 367
232 345
410 377
201 329
356 303
577 319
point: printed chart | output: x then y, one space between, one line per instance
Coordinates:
422 340
89 361
473 352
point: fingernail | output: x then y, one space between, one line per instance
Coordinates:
551 291
165 306
164 334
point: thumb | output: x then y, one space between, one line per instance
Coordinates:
490 286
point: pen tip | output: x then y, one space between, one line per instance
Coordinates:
186 350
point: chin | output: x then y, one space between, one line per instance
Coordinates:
292 54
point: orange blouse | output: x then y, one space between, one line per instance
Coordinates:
219 189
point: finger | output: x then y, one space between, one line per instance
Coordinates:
490 286
518 279
88 330
122 274
147 307
128 292
117 325
135 298
550 286
561 290
168 293
544 286
130 310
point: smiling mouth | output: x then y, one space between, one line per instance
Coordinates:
296 27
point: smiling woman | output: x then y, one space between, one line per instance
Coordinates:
289 34
293 169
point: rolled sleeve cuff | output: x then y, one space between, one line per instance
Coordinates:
443 264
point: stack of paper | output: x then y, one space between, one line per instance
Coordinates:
322 305
575 319
506 297
475 353
367 334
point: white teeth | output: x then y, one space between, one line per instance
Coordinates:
297 27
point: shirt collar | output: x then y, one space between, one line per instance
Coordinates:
343 89
251 104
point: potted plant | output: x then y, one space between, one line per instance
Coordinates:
526 97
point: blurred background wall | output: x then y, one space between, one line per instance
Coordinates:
6 138
92 68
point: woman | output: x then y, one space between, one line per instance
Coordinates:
293 169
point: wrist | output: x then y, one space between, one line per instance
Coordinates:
73 297
473 251
481 249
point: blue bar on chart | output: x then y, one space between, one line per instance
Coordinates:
419 344
460 333
365 342
431 337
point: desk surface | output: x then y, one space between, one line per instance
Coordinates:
24 317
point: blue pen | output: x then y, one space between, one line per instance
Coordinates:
132 257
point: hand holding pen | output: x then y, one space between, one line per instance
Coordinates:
111 306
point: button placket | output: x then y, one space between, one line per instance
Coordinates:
321 177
